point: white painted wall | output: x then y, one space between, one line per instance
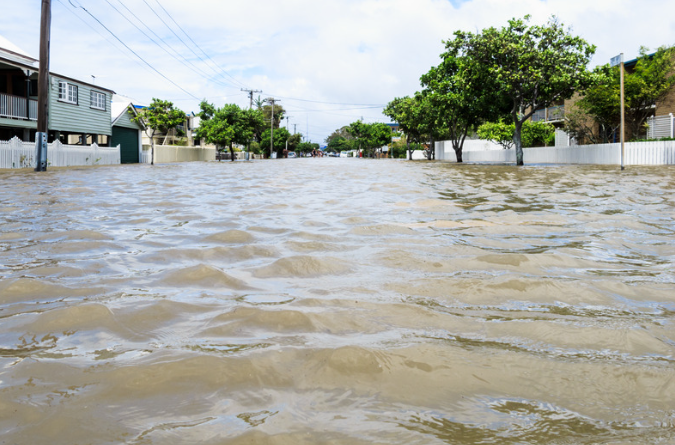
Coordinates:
637 153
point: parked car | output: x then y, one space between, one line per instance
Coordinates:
291 154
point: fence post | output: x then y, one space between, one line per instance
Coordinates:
672 125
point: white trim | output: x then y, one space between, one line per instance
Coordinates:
68 90
94 104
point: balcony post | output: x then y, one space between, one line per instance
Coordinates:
28 72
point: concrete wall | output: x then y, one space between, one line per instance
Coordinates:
171 153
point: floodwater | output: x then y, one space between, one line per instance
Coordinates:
341 301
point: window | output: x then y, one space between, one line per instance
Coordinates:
68 92
97 100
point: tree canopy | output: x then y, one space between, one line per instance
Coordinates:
228 125
341 140
533 66
646 84
280 137
369 136
533 134
159 116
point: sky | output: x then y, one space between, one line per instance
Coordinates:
327 62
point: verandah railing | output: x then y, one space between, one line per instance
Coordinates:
18 154
15 107
661 127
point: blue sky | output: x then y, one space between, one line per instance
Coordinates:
330 62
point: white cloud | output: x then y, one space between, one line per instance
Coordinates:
338 51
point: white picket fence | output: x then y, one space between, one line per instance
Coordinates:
18 154
637 153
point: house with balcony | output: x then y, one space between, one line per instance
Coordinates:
79 112
660 123
555 114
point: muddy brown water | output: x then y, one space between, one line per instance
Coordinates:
337 301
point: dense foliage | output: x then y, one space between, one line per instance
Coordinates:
159 116
534 134
596 117
228 125
505 73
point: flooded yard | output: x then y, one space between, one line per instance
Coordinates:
337 300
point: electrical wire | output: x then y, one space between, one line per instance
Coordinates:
200 48
133 52
104 37
183 41
175 53
330 103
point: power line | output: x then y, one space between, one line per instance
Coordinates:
332 103
250 95
104 37
134 53
183 41
200 48
175 53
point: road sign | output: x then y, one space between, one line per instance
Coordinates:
614 61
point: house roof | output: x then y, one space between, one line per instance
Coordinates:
12 48
15 56
119 107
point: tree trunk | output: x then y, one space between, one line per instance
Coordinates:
458 153
407 141
231 152
432 150
517 140
152 147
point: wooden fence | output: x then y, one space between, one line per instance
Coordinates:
18 154
637 153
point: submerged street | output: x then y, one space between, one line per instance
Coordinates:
304 301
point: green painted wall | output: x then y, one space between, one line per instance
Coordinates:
80 118
126 122
127 138
17 123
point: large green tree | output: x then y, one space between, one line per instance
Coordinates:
534 66
281 135
649 83
159 116
340 140
461 96
409 113
228 125
369 136
596 117
279 114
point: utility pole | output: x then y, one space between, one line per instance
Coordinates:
271 101
618 60
250 96
43 88
295 128
623 120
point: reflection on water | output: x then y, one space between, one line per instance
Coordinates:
337 301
